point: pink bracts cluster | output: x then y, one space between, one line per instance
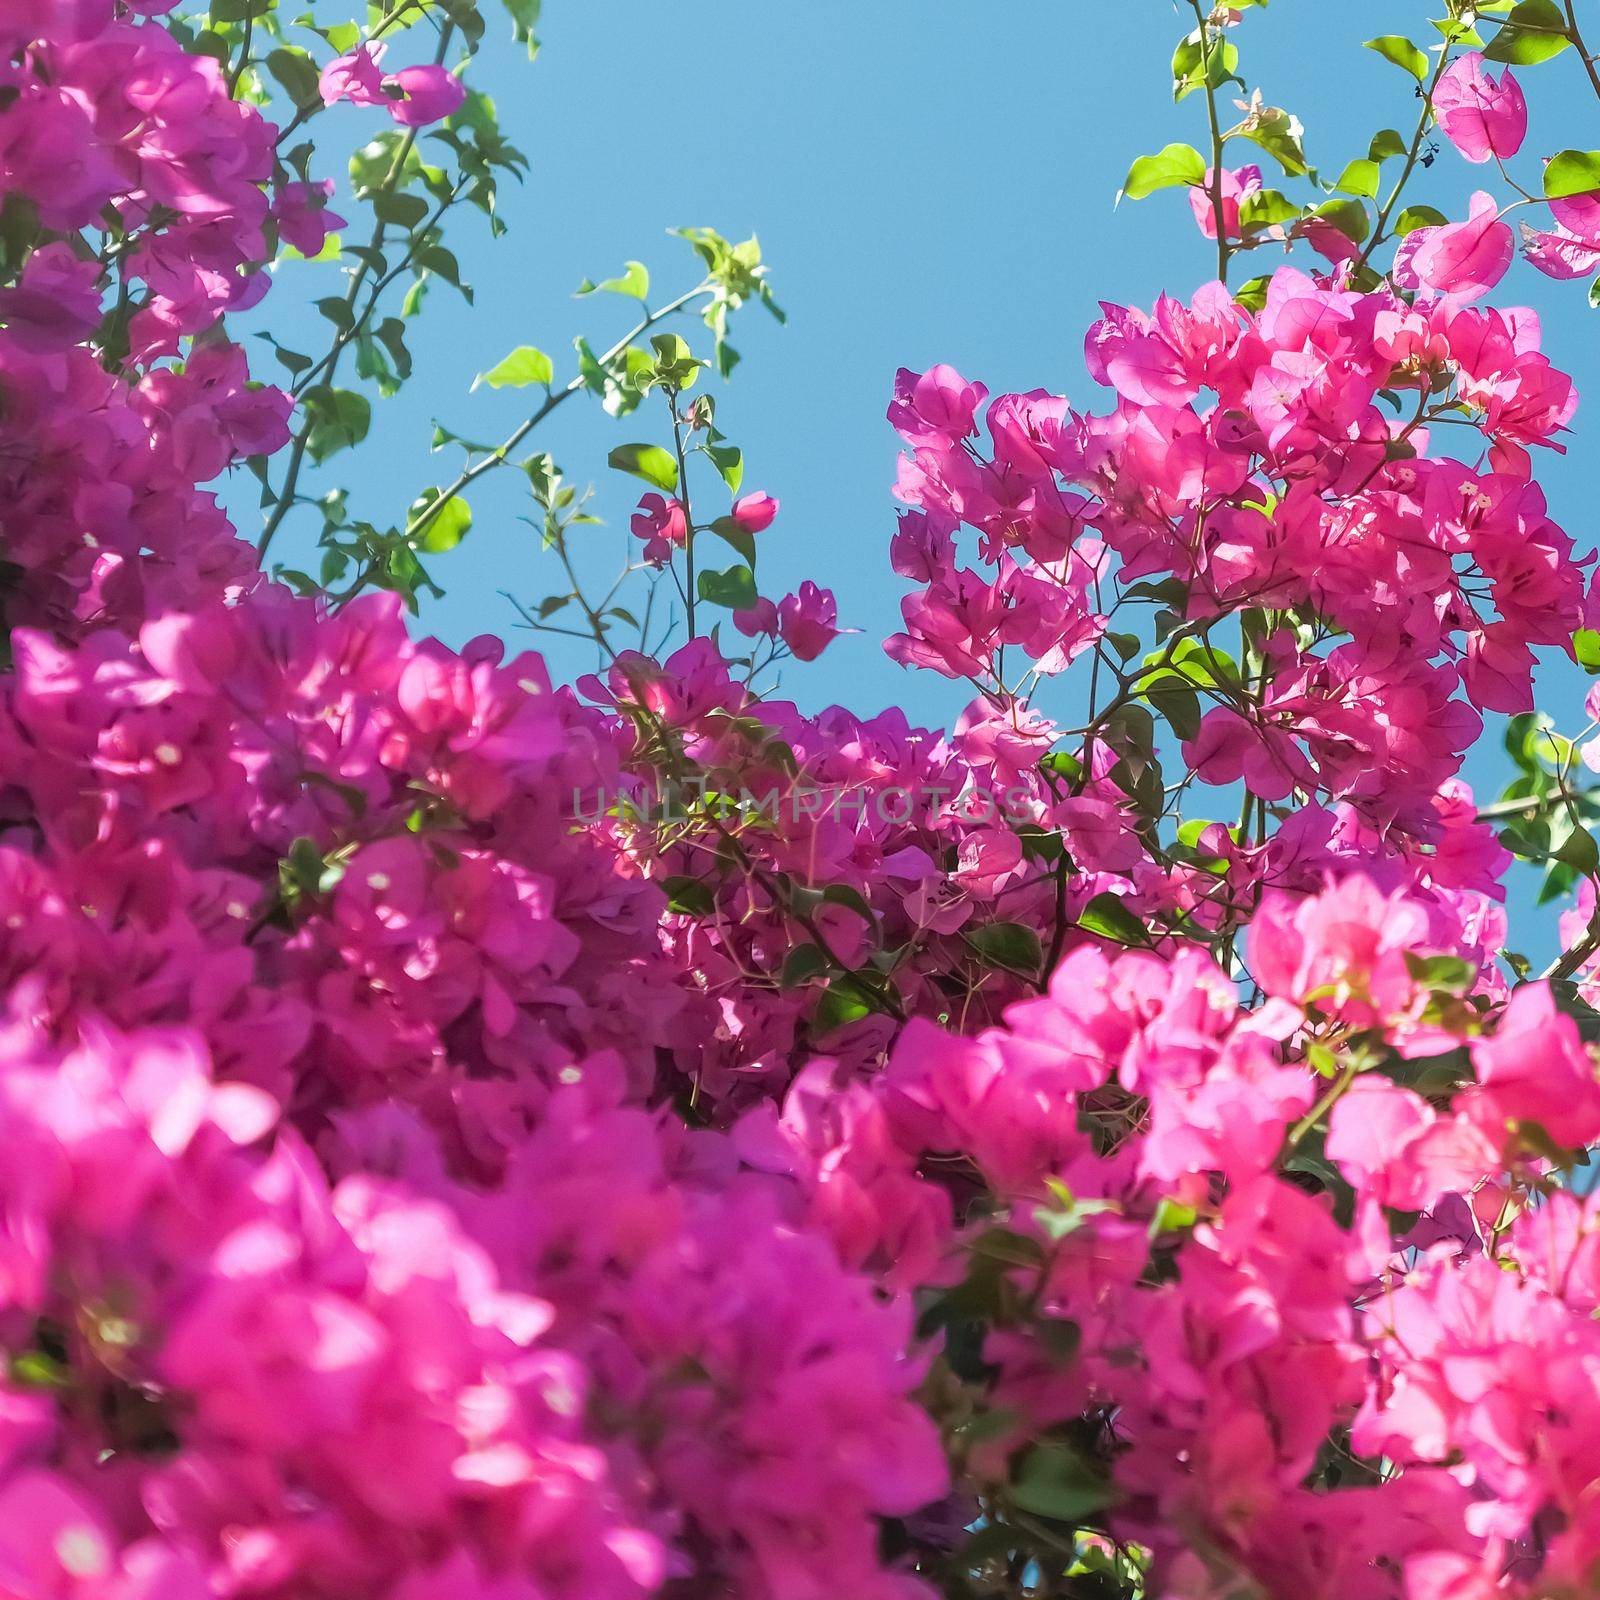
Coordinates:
427 1176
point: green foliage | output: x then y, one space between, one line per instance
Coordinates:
1177 163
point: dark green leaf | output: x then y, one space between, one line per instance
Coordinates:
1010 945
688 897
338 418
1107 916
1055 1482
735 588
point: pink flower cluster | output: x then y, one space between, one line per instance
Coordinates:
478 1139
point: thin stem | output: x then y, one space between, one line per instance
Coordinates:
288 494
1219 212
1324 1105
499 456
1578 45
244 54
1413 155
683 501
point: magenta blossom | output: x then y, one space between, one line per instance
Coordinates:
356 77
304 216
1238 184
1558 253
430 94
754 512
57 303
1483 118
806 619
660 522
757 621
1462 259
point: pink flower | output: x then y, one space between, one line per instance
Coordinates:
1238 183
1537 1069
57 302
1480 116
429 94
936 405
356 77
1462 259
304 217
660 522
1559 253
806 621
757 621
754 512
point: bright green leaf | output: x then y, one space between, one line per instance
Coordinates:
1177 163
1404 54
1280 134
647 461
443 528
1571 172
524 366
1533 31
634 282
1360 178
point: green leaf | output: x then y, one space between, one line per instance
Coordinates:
1172 696
1177 163
1348 216
1386 144
1401 51
1010 945
840 1004
647 461
1450 973
1571 172
803 963
1252 295
524 366
297 73
689 897
338 418
399 211
1194 66
1360 178
727 529
1266 208
446 526
524 19
1280 135
634 282
1586 647
735 588
728 459
1107 916
1054 1481
1580 852
1414 217
1534 31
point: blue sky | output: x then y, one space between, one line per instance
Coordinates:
932 180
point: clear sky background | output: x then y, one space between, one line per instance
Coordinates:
932 180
